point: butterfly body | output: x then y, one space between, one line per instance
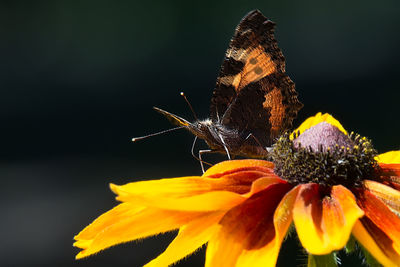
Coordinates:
219 137
222 139
254 100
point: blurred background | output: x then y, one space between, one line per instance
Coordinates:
78 80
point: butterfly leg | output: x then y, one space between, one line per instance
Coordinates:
268 149
192 150
225 147
254 138
200 159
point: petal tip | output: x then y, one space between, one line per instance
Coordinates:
113 187
79 256
318 118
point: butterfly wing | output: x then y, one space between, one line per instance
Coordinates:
253 93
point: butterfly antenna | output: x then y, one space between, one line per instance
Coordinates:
158 133
190 106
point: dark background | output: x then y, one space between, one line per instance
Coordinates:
78 80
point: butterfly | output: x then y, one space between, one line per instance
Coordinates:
254 100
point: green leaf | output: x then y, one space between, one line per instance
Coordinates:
329 260
369 259
351 245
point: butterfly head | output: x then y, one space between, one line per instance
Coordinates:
199 128
210 131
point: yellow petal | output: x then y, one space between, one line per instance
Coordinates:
318 118
211 201
172 187
391 157
119 212
82 243
324 225
147 222
222 250
235 165
197 193
283 216
377 245
262 257
247 233
189 239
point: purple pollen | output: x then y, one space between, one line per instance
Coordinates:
325 135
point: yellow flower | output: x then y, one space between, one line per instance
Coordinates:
329 184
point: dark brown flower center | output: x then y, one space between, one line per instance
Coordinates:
325 155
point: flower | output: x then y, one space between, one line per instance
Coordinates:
330 184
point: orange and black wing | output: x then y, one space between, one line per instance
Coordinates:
253 93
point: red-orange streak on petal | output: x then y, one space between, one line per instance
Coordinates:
262 183
308 203
391 174
227 167
340 214
324 221
393 183
384 242
255 217
248 226
228 196
332 216
392 167
245 169
267 255
238 182
387 194
379 214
